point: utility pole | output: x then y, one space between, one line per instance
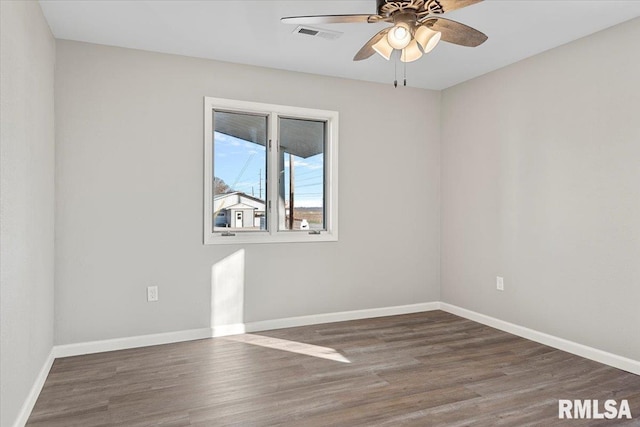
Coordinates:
260 183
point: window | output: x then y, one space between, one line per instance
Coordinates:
271 173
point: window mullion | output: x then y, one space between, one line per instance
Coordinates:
272 168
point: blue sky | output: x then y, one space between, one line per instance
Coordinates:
240 164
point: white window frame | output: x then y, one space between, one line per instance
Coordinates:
273 235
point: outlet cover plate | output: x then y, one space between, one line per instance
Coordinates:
152 293
499 283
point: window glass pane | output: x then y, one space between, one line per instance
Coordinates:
301 174
239 172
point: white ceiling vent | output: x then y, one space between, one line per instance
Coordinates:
317 32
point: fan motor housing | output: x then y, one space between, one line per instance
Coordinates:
389 7
381 3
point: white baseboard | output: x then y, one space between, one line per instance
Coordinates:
587 352
32 397
290 322
601 356
101 346
89 347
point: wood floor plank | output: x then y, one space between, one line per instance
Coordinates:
421 369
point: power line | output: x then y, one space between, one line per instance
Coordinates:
244 168
303 173
308 178
308 185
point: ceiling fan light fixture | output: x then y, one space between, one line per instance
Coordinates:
427 38
399 36
416 28
383 48
411 53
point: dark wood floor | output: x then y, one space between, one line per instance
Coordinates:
426 369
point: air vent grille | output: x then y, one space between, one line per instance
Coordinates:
317 32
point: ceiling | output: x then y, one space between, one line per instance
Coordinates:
250 32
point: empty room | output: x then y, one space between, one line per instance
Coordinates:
320 213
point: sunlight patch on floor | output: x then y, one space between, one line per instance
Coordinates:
291 346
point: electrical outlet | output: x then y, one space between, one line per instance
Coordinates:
499 283
152 293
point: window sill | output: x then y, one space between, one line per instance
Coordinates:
241 238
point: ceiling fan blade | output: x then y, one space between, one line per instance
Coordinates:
449 5
367 50
331 19
456 33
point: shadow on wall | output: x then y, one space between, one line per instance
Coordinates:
227 295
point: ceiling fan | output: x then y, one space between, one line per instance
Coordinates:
417 27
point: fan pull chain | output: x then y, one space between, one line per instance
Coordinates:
405 73
395 73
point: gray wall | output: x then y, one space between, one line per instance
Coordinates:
541 185
129 195
26 202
